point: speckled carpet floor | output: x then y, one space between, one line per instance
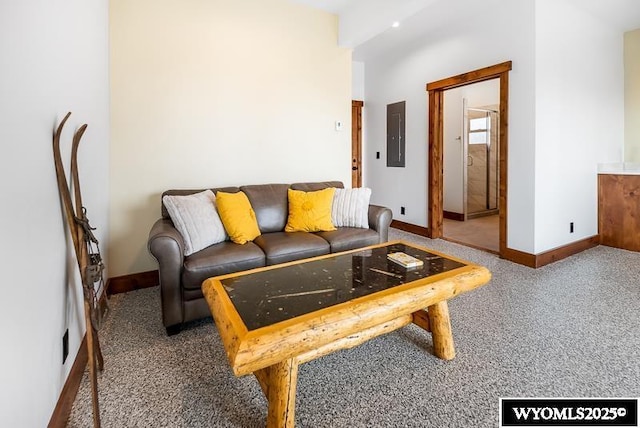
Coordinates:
569 329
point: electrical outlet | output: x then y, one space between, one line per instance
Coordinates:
65 345
571 227
402 210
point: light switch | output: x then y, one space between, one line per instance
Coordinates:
338 125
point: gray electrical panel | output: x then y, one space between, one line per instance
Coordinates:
395 134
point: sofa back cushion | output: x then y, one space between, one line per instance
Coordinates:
319 185
269 201
183 192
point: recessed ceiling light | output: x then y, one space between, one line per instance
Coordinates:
395 24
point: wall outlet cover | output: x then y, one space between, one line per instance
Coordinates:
65 346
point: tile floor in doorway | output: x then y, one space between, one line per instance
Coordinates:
481 232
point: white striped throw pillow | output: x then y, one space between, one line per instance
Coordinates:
351 207
196 218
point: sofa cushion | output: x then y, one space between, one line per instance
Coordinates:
349 238
319 185
196 218
351 207
182 192
280 247
269 201
218 259
238 216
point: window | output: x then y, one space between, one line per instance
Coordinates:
479 130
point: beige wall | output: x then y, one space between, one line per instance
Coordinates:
210 93
632 96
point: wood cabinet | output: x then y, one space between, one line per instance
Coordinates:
619 210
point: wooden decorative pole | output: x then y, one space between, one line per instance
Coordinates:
87 254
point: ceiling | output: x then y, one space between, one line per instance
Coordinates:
365 25
333 6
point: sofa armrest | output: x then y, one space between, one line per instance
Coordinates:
380 220
167 247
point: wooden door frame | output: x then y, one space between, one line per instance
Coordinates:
435 192
356 139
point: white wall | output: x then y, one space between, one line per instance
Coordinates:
215 93
478 95
357 80
579 118
53 59
632 96
503 30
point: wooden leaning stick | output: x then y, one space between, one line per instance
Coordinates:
90 265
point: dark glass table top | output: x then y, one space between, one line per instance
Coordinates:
268 297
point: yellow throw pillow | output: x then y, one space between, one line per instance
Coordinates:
237 216
310 211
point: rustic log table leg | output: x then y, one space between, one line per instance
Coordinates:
421 319
281 380
441 335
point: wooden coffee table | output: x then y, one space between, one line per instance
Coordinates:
273 319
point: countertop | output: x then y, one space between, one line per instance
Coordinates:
622 168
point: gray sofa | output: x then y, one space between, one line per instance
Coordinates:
181 277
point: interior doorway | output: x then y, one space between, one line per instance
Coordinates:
470 165
436 90
356 143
